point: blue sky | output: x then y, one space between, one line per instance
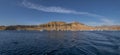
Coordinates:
90 12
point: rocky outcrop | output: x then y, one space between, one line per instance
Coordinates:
59 26
2 27
108 27
63 26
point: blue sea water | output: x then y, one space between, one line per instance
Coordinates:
60 43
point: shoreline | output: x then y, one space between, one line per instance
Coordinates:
61 26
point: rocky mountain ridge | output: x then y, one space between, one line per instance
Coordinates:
59 26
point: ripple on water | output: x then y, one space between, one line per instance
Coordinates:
59 43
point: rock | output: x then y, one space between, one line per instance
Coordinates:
59 26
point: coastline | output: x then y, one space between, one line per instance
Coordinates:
61 26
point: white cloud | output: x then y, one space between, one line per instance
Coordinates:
103 20
108 21
56 9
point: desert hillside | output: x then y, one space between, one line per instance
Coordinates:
59 26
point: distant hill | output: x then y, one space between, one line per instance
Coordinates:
105 27
59 26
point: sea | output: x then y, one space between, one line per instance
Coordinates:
14 42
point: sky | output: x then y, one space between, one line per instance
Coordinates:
34 12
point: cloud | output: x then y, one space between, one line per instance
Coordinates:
103 21
108 21
55 9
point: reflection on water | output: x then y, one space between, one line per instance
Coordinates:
59 43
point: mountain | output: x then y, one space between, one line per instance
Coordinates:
59 26
63 26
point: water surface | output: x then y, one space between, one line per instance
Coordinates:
60 43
